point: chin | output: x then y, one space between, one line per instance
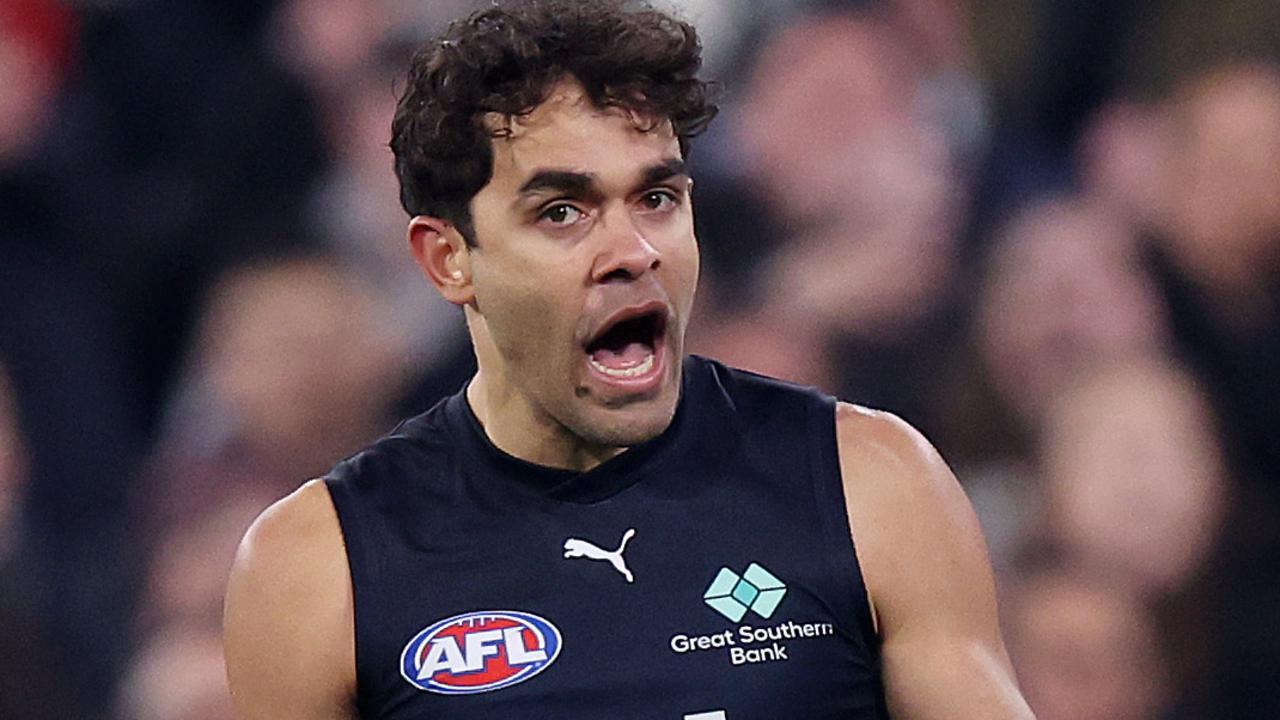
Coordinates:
624 427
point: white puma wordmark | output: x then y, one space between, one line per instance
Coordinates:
575 548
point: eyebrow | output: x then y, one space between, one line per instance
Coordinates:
665 170
583 184
572 183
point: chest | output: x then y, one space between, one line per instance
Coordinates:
670 600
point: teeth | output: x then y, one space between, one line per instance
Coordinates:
634 371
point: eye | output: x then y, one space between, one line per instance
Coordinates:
561 215
659 200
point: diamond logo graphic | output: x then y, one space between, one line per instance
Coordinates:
757 590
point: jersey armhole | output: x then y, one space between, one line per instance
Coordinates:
842 553
340 496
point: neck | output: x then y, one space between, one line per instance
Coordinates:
514 423
516 427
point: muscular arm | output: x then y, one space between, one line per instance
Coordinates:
926 569
288 617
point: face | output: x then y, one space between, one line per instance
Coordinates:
1134 474
1085 650
1065 292
1224 177
277 332
584 270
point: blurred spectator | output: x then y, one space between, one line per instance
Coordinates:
1223 178
834 122
178 675
292 370
189 568
36 38
328 43
58 341
857 124
190 147
1219 246
1120 158
1065 290
352 57
1216 250
172 145
1085 649
355 212
1134 475
765 344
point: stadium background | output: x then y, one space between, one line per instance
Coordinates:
1047 233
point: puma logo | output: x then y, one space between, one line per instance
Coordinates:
575 548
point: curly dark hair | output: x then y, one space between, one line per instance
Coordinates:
506 60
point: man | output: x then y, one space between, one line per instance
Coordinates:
598 526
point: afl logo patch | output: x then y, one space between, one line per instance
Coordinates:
480 652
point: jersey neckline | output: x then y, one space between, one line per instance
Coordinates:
584 487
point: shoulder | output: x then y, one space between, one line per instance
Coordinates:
925 569
913 527
879 448
302 525
288 613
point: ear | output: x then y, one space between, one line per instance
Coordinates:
444 256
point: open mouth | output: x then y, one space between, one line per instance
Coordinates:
629 348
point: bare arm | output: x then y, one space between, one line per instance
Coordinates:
925 564
288 630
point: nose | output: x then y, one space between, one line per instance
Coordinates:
625 253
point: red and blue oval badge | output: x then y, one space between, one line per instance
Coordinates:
480 652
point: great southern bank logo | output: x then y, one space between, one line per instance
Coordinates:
479 652
756 590
732 595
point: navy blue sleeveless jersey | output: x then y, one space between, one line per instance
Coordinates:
707 574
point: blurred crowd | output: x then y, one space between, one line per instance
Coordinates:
1046 233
